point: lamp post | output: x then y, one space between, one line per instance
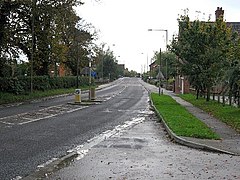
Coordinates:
145 66
90 65
166 50
159 72
78 65
102 60
161 30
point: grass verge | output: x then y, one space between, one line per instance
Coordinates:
179 120
13 98
227 114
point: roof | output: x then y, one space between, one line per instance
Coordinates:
235 26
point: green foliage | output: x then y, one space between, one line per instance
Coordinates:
5 69
203 49
227 114
108 66
179 120
52 39
21 85
232 75
78 51
132 74
13 98
167 65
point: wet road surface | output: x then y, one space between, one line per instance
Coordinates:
34 133
145 152
106 138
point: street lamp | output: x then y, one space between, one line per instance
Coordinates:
90 65
161 30
145 65
78 63
159 72
166 50
102 60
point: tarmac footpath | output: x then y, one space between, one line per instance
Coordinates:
229 142
144 151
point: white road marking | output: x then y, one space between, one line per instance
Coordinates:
83 149
46 163
34 120
7 123
56 110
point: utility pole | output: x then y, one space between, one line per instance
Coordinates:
90 65
78 65
102 60
166 60
33 40
166 50
159 72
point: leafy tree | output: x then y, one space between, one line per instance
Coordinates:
79 49
55 22
13 28
232 76
131 73
110 67
167 63
203 48
54 27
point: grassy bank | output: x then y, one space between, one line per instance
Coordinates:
179 120
13 98
227 114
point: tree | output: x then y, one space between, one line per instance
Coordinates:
167 64
55 22
54 40
110 67
232 76
79 43
13 31
203 48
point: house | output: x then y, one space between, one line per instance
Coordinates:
154 71
153 68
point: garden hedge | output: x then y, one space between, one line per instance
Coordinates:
21 85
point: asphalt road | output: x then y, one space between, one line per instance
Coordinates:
33 133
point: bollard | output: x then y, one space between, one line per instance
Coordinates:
92 94
77 95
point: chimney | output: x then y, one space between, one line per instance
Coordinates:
219 13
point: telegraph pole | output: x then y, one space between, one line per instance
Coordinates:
159 72
33 40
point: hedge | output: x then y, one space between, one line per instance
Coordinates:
21 85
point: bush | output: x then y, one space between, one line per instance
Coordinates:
12 85
21 85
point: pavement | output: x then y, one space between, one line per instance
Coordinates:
229 142
145 150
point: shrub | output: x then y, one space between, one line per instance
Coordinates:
21 85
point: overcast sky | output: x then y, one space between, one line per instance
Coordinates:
125 23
